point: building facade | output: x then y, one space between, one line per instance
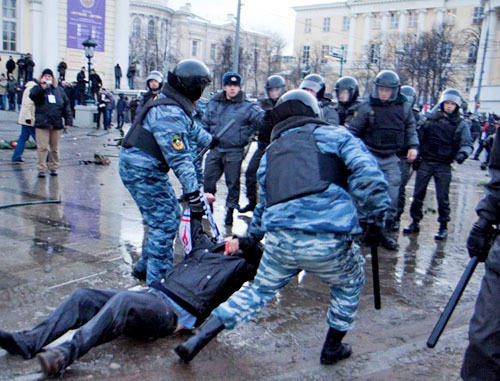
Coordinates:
375 33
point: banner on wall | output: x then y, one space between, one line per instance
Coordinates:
86 18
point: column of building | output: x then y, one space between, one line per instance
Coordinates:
366 35
402 27
421 21
36 29
351 46
122 32
384 27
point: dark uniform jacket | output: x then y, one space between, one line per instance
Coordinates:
49 115
385 127
330 114
347 111
248 117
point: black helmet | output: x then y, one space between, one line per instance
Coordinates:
295 103
190 77
314 82
350 84
410 94
157 76
452 95
275 82
386 78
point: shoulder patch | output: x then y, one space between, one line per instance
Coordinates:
177 142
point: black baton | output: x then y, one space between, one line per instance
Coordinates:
218 136
452 303
376 281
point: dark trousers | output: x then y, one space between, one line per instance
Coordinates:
228 163
12 101
120 119
441 172
482 357
406 172
101 111
251 175
80 97
117 82
101 316
26 132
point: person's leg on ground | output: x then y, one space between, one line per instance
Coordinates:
213 171
55 136
442 180
424 175
42 149
21 142
232 173
251 180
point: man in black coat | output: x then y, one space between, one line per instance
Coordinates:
20 68
61 69
80 86
182 300
10 65
118 75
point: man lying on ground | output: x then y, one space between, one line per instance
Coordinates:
183 299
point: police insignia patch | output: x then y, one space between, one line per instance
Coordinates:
177 142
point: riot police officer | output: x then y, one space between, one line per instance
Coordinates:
411 97
275 88
229 104
315 84
308 164
347 91
445 138
154 82
158 141
386 125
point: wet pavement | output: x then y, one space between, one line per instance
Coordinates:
91 238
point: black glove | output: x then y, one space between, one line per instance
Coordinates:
195 204
480 239
373 235
416 163
460 158
214 143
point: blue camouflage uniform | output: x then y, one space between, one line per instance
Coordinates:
315 233
150 186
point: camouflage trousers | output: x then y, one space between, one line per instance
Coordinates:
156 200
332 258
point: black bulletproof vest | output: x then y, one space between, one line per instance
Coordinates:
438 143
387 128
141 138
296 167
495 153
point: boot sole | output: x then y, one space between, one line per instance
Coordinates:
182 352
346 354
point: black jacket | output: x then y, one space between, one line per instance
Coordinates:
207 277
49 115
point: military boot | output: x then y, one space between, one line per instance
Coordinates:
249 208
388 242
229 217
11 345
53 362
414 227
333 348
442 234
190 348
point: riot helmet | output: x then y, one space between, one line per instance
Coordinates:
275 82
157 76
410 94
190 77
389 80
452 95
295 103
314 82
351 85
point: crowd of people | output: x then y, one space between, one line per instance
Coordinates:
326 176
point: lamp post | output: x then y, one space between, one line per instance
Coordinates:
89 47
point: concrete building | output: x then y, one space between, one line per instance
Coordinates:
373 30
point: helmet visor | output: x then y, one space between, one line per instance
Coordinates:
385 94
311 85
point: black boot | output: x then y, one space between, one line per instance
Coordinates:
229 217
249 208
53 362
395 226
10 344
190 348
333 349
139 274
414 227
442 234
388 242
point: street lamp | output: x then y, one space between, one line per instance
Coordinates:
89 47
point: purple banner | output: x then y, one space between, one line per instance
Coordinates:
86 18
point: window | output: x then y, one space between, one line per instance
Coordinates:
412 19
447 49
307 27
9 25
477 15
194 47
305 54
472 53
377 22
151 30
136 27
394 20
213 51
374 53
468 84
325 51
345 23
326 24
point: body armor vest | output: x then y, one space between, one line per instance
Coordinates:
387 128
438 143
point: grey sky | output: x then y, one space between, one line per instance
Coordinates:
257 15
